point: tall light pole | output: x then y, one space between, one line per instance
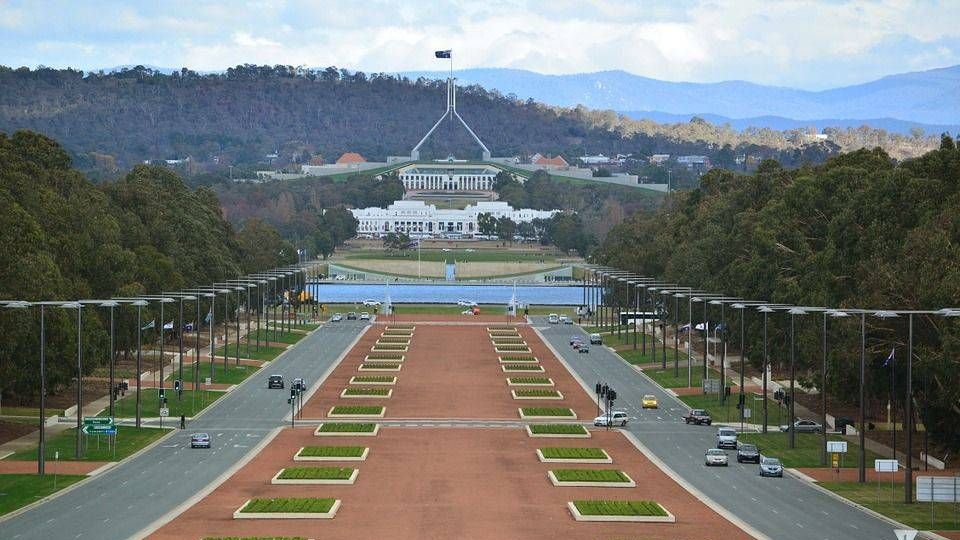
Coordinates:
892 403
113 351
862 428
791 429
139 305
836 314
766 310
79 307
41 450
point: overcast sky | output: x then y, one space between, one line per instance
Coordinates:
810 44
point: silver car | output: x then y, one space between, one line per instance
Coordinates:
715 456
727 438
803 426
771 467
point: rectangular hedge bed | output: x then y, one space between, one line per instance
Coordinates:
546 413
388 347
563 431
573 455
529 368
404 327
346 429
495 328
529 381
288 508
316 475
397 333
533 393
374 379
393 339
372 411
370 393
332 453
590 478
601 510
385 357
512 348
517 359
379 366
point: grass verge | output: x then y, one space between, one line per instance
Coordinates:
189 405
887 499
265 353
807 451
19 490
129 440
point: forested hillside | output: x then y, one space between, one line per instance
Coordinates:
858 231
66 238
112 121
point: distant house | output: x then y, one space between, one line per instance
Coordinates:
694 161
598 159
659 159
556 162
350 158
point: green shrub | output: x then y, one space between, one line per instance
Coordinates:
392 339
390 346
619 508
529 380
374 379
590 475
316 473
380 365
357 409
384 356
519 358
406 327
522 367
513 348
546 411
573 453
500 341
331 451
366 391
558 429
532 393
308 505
492 328
346 427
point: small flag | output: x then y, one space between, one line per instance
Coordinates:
684 329
188 327
151 324
168 326
889 358
443 54
208 317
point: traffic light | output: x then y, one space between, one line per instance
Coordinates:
611 395
176 386
160 395
599 388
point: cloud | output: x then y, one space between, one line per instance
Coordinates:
807 43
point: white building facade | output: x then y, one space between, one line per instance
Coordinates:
421 220
448 177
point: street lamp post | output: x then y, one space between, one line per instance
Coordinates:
139 305
791 429
766 310
836 314
892 403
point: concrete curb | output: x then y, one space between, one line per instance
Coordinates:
200 495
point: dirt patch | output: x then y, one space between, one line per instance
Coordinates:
451 372
14 430
450 483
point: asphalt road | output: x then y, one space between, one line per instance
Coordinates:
777 507
120 502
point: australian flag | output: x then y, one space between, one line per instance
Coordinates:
443 54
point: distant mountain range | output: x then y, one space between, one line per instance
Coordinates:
929 100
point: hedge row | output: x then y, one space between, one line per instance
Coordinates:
374 378
558 429
573 453
380 365
384 356
332 451
316 473
590 475
529 380
346 427
521 367
546 411
308 505
518 358
356 409
366 391
620 508
534 393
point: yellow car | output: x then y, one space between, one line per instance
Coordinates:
649 401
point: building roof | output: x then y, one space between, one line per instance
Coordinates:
351 157
557 161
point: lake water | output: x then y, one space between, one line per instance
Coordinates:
438 293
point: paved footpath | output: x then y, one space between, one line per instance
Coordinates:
119 503
777 507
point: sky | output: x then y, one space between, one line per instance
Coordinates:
809 44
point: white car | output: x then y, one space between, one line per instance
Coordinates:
715 456
727 438
340 277
553 318
469 250
565 320
616 418
445 249
466 303
337 317
371 303
364 316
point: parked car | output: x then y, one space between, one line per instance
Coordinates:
371 303
466 303
565 320
616 418
698 417
200 440
352 316
583 349
595 339
553 318
715 456
649 401
803 426
726 438
275 381
364 316
337 317
748 453
340 277
770 466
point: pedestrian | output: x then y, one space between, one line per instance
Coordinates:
183 421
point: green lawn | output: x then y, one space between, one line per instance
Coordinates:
316 473
638 357
301 326
619 508
233 375
666 379
807 452
189 405
278 336
890 504
265 352
17 490
727 412
8 410
460 255
573 453
331 451
129 440
292 505
590 475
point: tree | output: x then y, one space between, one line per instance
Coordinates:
506 228
262 247
486 224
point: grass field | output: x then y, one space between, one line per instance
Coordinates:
303 326
666 379
278 336
129 440
461 255
17 490
189 405
887 499
265 353
727 412
28 411
233 375
807 452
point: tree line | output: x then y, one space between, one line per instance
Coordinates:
858 231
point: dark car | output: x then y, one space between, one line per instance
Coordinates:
352 316
771 467
583 349
275 381
748 453
698 417
200 440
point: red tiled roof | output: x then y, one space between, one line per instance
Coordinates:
351 157
557 161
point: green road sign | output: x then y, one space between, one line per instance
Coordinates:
99 430
97 421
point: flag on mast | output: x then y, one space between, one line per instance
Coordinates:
151 324
889 358
443 54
